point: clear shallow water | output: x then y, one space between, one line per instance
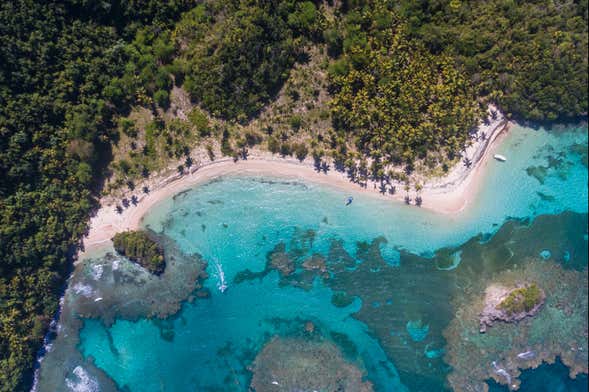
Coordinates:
234 222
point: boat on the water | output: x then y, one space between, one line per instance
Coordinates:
500 157
349 201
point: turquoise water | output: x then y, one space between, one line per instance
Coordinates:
234 222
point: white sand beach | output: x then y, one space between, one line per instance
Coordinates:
450 194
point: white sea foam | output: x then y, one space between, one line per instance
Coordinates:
84 382
526 355
97 270
502 372
83 289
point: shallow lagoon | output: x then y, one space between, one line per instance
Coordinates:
234 222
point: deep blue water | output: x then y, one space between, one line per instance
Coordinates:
547 378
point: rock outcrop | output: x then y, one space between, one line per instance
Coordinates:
510 305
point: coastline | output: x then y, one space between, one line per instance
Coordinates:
450 194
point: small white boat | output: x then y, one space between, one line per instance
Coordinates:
499 157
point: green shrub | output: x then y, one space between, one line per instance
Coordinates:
273 145
301 151
295 122
522 299
162 98
138 247
200 120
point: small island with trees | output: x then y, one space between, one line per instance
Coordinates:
139 247
511 305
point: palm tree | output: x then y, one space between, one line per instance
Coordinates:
244 153
383 188
317 162
418 201
134 200
125 202
407 200
119 209
146 189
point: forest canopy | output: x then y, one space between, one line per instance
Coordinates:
59 96
529 57
394 98
237 54
139 247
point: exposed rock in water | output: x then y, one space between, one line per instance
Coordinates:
510 305
288 364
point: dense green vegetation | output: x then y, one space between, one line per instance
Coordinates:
376 84
237 54
140 248
396 100
522 299
529 57
58 97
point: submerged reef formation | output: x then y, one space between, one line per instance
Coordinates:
510 304
112 286
557 162
558 329
409 303
139 247
107 287
297 364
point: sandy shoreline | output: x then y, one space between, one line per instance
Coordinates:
448 195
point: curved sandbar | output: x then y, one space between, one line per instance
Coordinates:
448 195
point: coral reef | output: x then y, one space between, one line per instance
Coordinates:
112 286
295 364
279 260
107 287
558 330
409 305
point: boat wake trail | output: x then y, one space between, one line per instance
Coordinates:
221 284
